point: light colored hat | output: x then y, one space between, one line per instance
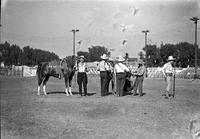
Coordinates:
170 58
120 59
140 61
104 56
81 57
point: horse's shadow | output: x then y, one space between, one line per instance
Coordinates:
74 93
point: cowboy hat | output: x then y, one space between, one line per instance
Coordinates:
81 57
104 56
140 61
120 59
170 58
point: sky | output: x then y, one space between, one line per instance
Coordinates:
115 24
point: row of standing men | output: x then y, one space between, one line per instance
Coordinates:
115 72
118 72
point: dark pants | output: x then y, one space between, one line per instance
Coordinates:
104 82
120 77
113 80
82 80
139 83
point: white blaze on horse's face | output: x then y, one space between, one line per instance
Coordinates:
38 90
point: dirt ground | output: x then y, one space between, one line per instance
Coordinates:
24 115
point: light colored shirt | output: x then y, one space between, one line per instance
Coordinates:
140 71
82 67
103 66
167 68
120 67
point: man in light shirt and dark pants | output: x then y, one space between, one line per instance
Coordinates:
104 69
120 70
82 76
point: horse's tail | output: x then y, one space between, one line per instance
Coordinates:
42 69
39 68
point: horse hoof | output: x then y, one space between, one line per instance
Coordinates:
71 94
67 94
45 93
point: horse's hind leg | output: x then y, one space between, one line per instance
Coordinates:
44 82
66 85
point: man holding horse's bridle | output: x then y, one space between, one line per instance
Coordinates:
82 79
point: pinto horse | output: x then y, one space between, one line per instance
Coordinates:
66 68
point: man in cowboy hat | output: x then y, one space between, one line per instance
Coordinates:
168 73
104 69
82 76
112 76
139 73
120 70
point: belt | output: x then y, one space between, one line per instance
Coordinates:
120 72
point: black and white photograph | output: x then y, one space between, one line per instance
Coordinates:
100 69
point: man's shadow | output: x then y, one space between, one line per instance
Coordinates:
74 93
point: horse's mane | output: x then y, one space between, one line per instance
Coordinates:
68 61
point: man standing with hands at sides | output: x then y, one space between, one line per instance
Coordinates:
139 73
104 69
168 74
82 76
120 70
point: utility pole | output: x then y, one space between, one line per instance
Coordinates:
145 32
0 23
74 33
195 19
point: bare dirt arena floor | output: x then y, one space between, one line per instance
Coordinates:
24 115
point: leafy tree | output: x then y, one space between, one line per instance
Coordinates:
95 52
85 54
183 52
153 56
141 55
14 55
15 52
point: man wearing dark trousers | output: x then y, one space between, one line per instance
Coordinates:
82 76
120 70
104 69
139 78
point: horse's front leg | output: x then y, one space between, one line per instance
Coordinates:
40 79
46 78
70 86
66 85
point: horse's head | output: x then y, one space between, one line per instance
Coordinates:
68 64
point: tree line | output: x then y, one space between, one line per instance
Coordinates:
94 53
184 53
14 55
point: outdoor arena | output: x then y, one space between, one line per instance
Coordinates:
24 115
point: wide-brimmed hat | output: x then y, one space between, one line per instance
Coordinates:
170 58
104 56
120 59
81 57
140 61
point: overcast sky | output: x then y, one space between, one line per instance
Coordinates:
46 24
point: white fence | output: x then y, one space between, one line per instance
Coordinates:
20 71
155 72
